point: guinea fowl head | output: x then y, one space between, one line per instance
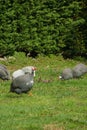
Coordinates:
29 69
33 71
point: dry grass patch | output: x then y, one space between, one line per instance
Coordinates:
52 127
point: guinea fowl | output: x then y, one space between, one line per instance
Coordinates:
79 70
75 72
66 74
4 73
23 83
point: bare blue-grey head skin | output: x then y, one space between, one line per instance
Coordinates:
66 74
79 70
23 83
4 73
28 69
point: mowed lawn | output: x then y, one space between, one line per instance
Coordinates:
52 104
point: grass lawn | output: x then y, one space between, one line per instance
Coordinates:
53 104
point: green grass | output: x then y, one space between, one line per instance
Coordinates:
54 105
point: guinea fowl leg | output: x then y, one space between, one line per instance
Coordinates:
30 94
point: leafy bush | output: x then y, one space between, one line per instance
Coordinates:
6 50
43 27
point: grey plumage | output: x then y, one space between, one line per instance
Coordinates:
23 83
17 73
4 73
23 71
3 66
66 74
79 70
75 72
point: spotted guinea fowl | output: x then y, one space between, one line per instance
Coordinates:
66 74
79 70
4 73
23 83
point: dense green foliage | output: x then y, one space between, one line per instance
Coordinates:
53 105
43 27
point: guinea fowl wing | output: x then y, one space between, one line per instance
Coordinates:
24 83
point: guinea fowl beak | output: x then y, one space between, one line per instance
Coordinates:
60 77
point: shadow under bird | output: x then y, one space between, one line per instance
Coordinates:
4 73
23 83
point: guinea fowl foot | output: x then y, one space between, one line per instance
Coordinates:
30 94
